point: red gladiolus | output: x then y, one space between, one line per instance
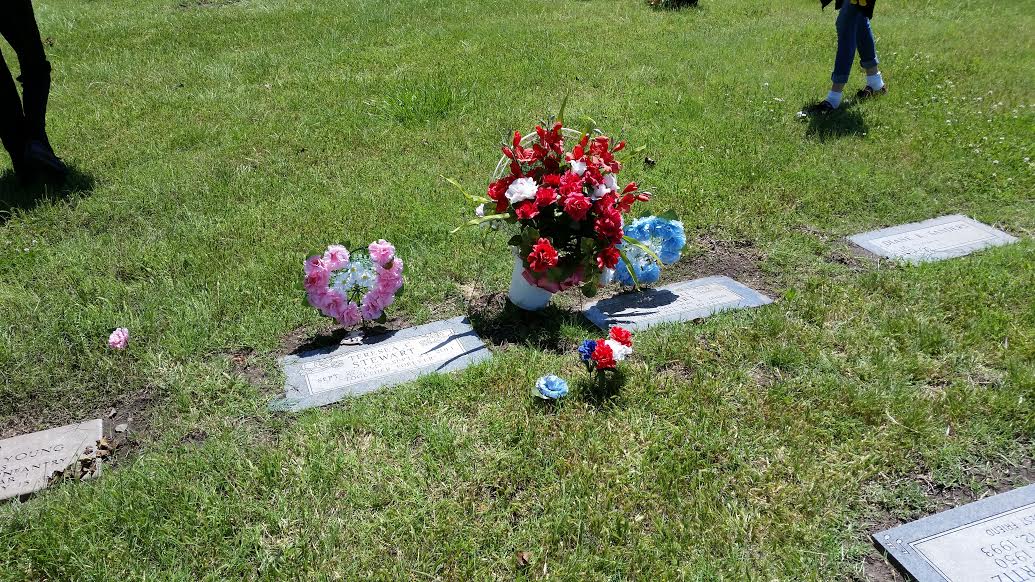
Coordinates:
622 336
576 206
604 357
608 258
543 256
498 193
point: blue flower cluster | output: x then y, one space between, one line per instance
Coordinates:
666 238
586 350
551 387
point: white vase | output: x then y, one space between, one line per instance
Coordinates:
524 294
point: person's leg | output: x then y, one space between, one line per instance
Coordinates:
22 33
868 56
847 31
12 121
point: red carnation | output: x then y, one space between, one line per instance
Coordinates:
609 227
571 183
622 336
577 205
608 258
545 197
543 256
526 210
552 180
604 356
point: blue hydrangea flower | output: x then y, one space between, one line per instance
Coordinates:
586 350
551 387
666 238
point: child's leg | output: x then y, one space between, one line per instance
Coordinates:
868 55
847 32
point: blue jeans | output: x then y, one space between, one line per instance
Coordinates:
853 31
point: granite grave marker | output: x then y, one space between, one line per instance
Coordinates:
683 301
991 540
28 461
937 239
327 375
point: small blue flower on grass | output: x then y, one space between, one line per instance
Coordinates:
586 350
551 387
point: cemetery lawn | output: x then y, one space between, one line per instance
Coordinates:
217 142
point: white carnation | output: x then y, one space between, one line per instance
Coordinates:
522 189
578 166
621 351
611 182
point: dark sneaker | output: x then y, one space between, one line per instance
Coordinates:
867 92
821 108
42 158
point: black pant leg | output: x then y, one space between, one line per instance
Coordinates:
12 121
18 26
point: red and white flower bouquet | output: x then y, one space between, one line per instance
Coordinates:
561 188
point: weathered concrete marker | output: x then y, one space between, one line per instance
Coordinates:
328 375
937 239
683 301
28 461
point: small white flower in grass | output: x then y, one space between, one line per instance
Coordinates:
522 189
480 211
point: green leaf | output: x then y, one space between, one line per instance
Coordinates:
591 287
643 247
383 319
640 149
669 215
515 241
479 220
564 105
476 199
632 272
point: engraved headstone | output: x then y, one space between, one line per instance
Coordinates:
937 239
28 461
992 540
330 374
683 301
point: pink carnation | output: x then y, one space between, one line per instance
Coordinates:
119 339
348 315
336 257
313 264
381 251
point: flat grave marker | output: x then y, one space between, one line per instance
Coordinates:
28 461
327 375
683 301
937 239
991 540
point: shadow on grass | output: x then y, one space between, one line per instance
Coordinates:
16 195
673 4
845 121
498 321
603 389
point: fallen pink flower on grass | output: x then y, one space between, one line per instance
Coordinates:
119 339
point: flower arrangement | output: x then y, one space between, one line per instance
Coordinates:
568 204
604 354
356 287
663 235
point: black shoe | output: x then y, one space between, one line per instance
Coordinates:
867 92
822 108
41 158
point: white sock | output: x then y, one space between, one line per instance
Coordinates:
834 99
875 82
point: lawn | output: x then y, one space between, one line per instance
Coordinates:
217 142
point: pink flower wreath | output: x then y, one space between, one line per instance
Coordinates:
354 288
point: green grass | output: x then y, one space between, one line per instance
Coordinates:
217 143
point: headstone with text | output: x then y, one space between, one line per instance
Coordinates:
937 239
325 376
683 301
992 540
27 462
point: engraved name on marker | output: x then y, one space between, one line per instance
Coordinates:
945 237
28 461
377 362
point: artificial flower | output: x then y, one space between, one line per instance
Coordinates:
621 335
586 350
522 189
603 356
608 258
119 339
381 251
551 387
543 256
